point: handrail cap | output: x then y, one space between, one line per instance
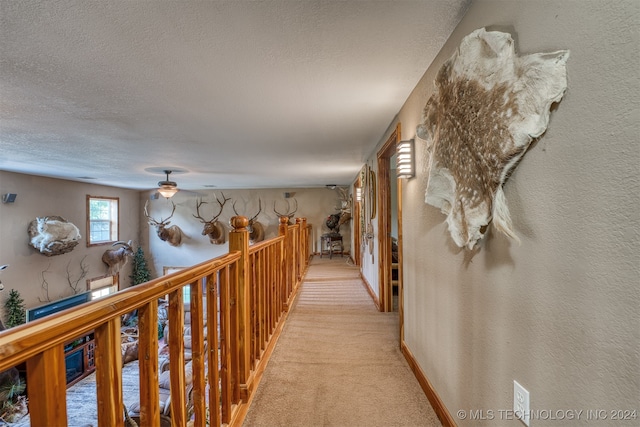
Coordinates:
239 222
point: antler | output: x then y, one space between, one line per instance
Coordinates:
288 214
255 216
215 217
224 202
155 222
344 193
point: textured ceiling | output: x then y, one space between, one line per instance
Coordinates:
238 94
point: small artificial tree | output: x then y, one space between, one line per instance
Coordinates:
140 272
15 309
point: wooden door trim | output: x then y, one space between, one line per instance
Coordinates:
384 220
357 233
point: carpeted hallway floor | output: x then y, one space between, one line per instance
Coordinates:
337 362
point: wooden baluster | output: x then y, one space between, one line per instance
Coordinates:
268 300
176 357
148 363
109 374
47 388
280 274
197 353
216 358
228 368
239 241
258 305
255 310
277 298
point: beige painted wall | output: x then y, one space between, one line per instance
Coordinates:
315 204
40 196
559 313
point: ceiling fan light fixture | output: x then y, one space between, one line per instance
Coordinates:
167 188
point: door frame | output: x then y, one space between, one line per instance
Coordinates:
385 288
355 215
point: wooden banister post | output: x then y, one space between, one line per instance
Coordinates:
239 241
46 387
285 274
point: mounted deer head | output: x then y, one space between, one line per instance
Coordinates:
256 229
172 235
289 215
213 228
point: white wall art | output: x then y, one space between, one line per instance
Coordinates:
488 106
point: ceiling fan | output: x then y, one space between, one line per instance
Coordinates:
167 188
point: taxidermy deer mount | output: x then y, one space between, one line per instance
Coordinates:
256 229
288 214
345 208
172 235
115 259
213 228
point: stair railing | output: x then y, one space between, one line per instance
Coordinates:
253 289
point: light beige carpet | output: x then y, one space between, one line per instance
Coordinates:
337 362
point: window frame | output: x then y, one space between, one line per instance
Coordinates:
97 285
115 229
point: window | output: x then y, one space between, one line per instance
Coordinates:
98 293
102 220
102 286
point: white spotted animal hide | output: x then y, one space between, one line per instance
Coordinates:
488 106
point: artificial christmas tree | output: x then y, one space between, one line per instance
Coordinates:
15 309
140 273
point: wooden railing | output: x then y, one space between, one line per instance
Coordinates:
252 289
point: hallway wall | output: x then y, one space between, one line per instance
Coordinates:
559 313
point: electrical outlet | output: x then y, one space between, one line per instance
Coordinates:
521 403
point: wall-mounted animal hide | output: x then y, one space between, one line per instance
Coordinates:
488 106
53 235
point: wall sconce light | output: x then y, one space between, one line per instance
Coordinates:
9 198
404 160
358 194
